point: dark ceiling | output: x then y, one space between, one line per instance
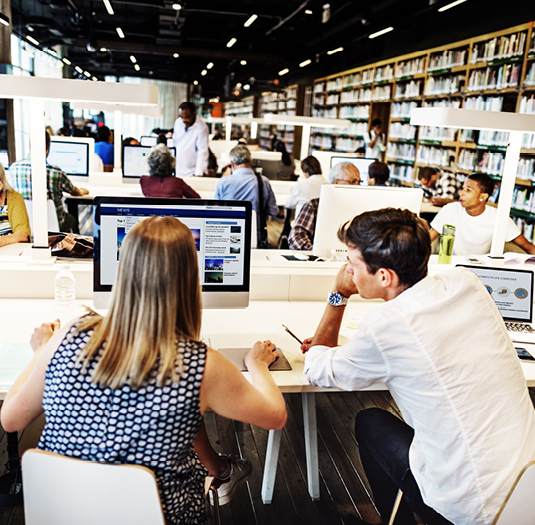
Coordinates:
286 33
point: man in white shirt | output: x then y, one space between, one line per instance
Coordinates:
308 188
375 141
474 221
440 346
191 142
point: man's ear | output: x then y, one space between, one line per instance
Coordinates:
389 278
484 197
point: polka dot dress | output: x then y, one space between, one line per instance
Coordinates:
150 426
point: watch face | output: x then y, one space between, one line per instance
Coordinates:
335 298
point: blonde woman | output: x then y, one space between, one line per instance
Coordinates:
132 387
14 223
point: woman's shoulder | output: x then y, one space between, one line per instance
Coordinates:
14 197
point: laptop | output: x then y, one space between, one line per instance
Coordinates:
512 291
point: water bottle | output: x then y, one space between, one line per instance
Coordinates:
445 249
64 289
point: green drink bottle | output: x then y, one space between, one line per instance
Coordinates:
445 249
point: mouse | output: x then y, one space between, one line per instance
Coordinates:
300 256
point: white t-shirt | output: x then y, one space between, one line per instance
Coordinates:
442 350
304 191
473 235
378 150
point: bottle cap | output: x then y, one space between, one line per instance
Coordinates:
448 229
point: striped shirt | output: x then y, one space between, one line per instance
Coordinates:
20 174
5 227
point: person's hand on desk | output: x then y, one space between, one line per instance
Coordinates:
79 192
439 201
262 353
42 334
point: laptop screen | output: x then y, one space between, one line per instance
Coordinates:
511 290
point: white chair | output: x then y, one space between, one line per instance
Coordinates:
53 224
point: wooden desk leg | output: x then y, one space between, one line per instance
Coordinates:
270 468
311 444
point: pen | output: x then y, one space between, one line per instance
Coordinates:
292 334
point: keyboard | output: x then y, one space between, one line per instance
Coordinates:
520 327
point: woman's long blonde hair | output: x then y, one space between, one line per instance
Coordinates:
3 178
156 300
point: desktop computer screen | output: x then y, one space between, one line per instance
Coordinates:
339 203
4 159
148 140
222 234
135 160
70 157
361 163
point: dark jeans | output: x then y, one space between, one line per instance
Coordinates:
384 442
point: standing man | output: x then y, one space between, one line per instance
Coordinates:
440 346
57 182
191 141
375 141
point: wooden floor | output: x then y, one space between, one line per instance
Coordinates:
343 489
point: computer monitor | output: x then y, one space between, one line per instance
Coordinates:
361 163
135 161
339 203
4 159
148 140
222 233
70 157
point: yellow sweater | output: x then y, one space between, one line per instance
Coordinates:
16 213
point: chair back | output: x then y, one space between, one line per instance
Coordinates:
59 490
519 506
53 224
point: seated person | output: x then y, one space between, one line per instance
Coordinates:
104 147
439 188
218 135
361 152
253 145
378 174
130 141
14 222
308 188
439 345
132 379
302 233
474 220
287 166
162 183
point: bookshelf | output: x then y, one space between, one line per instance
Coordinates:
492 72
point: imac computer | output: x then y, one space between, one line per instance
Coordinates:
70 157
361 163
222 234
135 161
339 203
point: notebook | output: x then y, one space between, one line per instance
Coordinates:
512 291
236 355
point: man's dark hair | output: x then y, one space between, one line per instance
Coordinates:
188 105
377 122
378 171
427 172
47 140
311 165
103 134
485 183
390 238
362 151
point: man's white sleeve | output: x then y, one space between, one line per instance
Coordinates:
440 219
512 230
201 144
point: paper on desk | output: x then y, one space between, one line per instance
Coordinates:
350 326
14 357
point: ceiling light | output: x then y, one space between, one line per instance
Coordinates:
103 50
95 79
238 85
32 40
175 55
136 67
119 32
382 32
243 62
449 6
282 72
52 52
210 65
79 69
247 87
308 12
176 6
250 20
30 29
305 63
87 74
4 19
231 42
108 7
204 72
67 61
195 83
133 59
326 15
333 51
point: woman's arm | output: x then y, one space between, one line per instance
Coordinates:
225 391
13 238
18 219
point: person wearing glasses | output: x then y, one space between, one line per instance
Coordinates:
302 233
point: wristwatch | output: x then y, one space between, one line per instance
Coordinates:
337 299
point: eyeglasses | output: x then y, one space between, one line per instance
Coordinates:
353 181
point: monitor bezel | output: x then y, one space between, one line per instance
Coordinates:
78 143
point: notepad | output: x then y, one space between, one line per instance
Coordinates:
14 357
236 355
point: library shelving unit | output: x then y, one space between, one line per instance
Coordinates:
242 108
494 72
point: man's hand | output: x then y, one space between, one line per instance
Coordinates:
440 201
307 343
261 353
344 282
42 334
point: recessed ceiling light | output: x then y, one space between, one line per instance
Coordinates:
449 6
136 67
95 79
119 32
32 40
108 7
250 20
79 69
30 29
103 50
382 32
247 87
175 55
305 63
231 42
176 6
333 51
283 72
308 12
53 52
204 72
87 73
67 61
4 19
210 65
243 62
238 85
133 59
195 83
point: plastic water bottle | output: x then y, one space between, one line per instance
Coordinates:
64 290
445 248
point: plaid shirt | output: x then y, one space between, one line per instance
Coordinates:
447 187
302 234
20 174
